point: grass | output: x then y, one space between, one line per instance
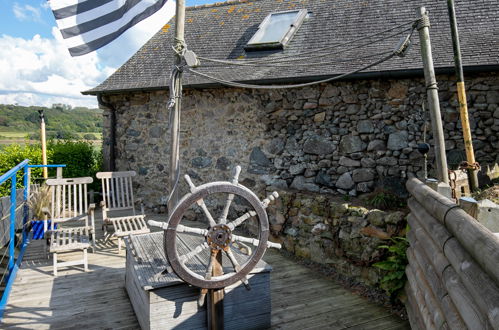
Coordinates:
12 135
8 137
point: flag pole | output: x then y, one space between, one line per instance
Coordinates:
179 45
461 96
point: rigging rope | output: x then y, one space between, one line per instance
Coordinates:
278 64
290 57
251 86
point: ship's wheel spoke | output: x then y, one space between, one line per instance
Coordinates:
189 255
230 197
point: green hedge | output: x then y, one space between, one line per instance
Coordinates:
80 157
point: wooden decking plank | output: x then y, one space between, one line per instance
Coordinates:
301 298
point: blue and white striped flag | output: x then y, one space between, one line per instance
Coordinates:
87 25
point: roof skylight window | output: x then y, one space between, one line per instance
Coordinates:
276 30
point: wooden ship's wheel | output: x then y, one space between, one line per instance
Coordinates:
221 254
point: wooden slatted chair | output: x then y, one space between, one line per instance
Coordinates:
118 206
74 216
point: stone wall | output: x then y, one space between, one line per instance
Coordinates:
347 137
335 233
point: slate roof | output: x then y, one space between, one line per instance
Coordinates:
221 31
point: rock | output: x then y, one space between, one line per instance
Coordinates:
345 161
156 132
376 217
338 210
274 181
363 174
309 105
345 182
372 231
223 163
398 140
493 97
387 161
317 145
132 132
299 183
323 179
297 169
275 146
291 231
395 217
365 186
367 162
330 91
496 113
259 163
398 90
376 145
130 147
352 109
350 144
201 162
365 126
320 117
292 147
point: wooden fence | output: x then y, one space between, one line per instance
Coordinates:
453 271
5 216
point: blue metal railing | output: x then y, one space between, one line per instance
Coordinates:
13 265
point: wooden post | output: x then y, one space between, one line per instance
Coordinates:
175 125
215 306
44 143
461 95
432 94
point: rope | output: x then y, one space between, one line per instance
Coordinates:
251 86
277 64
176 71
292 57
412 22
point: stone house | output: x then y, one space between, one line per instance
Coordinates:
347 136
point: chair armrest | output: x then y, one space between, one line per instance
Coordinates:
91 208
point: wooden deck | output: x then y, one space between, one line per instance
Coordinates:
301 298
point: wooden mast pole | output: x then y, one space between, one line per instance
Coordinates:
179 45
461 95
44 143
432 94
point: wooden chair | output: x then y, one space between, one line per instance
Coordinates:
69 209
117 198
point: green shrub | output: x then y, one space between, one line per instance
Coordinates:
90 136
12 155
393 282
385 200
80 157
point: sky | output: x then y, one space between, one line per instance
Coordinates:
36 68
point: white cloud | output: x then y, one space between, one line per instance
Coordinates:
26 13
40 71
43 66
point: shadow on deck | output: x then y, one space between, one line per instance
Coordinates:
301 298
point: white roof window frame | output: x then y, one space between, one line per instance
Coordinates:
253 44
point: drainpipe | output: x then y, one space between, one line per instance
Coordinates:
112 132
